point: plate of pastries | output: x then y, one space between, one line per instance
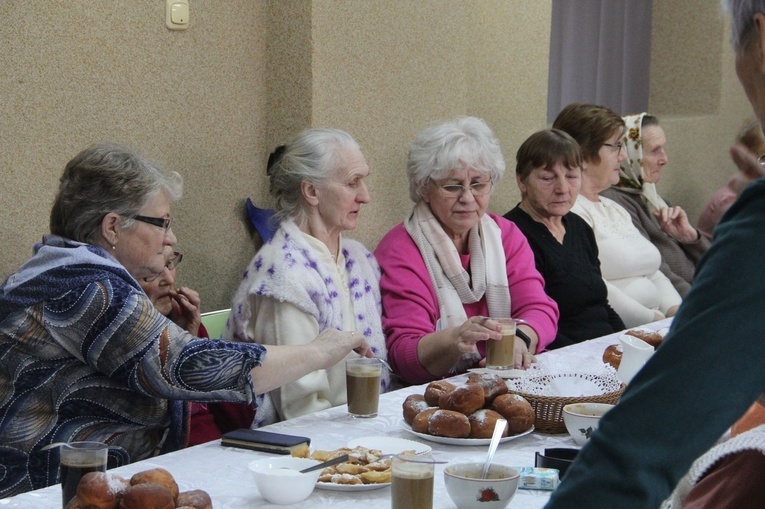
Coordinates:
155 488
465 414
366 469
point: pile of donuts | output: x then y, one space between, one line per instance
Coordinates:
469 410
155 489
612 355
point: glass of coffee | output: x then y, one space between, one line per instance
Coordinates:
501 354
77 459
412 482
362 382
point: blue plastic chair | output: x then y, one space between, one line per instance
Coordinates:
261 220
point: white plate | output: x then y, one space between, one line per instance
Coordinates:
463 441
389 445
504 373
330 486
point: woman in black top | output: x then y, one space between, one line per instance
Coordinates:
549 175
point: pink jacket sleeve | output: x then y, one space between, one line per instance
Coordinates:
410 307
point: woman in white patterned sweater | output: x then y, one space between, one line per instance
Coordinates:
308 278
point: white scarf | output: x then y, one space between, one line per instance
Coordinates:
452 283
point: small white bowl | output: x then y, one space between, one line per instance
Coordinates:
581 419
279 479
468 491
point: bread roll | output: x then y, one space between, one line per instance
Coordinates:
613 355
447 423
436 389
158 476
482 423
100 490
518 412
413 405
147 495
420 421
197 499
465 399
652 338
493 385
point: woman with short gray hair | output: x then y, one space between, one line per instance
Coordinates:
309 278
91 357
450 265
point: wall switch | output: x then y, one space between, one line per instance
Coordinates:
177 14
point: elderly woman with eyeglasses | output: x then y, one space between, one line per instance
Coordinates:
309 277
181 305
87 356
451 265
637 289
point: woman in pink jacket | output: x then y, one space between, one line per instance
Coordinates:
450 264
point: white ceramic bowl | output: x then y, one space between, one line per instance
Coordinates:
468 491
279 479
581 419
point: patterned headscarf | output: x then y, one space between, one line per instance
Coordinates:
631 172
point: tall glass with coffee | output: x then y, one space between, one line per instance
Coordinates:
77 459
362 381
412 482
501 354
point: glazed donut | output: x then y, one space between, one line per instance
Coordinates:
613 355
413 405
420 421
518 412
158 476
493 385
100 490
482 423
465 399
436 389
447 423
147 495
196 499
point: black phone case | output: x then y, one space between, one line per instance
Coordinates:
259 440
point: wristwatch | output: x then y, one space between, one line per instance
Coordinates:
525 337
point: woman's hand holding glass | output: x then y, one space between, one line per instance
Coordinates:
473 330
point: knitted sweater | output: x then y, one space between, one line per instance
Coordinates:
678 261
629 263
291 291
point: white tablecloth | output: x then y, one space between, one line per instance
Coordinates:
223 473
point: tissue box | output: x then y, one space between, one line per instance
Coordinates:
538 478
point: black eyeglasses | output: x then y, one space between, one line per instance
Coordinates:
169 265
160 222
616 147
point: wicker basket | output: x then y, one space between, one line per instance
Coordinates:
549 409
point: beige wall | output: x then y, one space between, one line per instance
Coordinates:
212 101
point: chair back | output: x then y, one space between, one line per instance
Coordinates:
215 322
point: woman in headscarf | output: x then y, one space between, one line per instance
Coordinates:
667 227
